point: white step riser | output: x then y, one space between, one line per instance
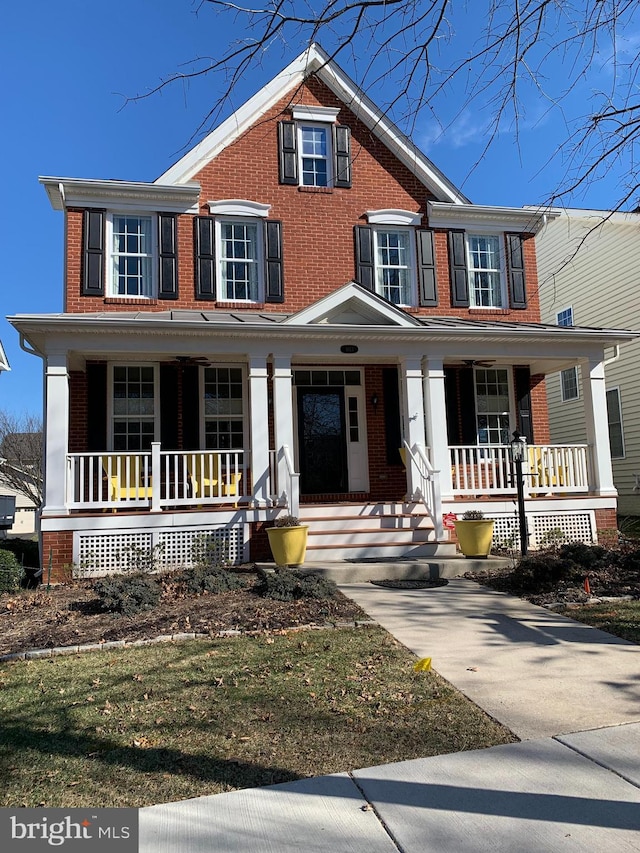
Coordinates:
411 522
378 552
310 511
370 537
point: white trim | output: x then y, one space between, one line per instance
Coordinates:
156 400
504 300
238 207
302 156
346 297
446 215
315 60
4 361
411 263
125 195
393 217
563 396
315 114
109 272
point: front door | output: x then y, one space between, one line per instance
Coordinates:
322 440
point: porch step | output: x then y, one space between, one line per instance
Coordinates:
362 571
370 531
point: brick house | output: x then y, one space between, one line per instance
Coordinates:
302 315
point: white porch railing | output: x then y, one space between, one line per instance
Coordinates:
428 485
548 469
156 479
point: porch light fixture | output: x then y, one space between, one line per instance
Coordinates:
518 448
374 401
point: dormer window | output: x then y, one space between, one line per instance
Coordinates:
314 151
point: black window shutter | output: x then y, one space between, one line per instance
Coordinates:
205 265
467 402
342 155
427 268
288 152
168 274
273 261
364 256
392 428
96 408
451 405
517 285
93 246
458 270
522 381
169 406
190 408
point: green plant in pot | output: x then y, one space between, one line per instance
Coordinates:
475 533
288 540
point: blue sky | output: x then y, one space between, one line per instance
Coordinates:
66 70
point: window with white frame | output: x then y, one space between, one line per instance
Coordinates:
614 418
493 405
314 146
132 255
485 259
133 407
240 253
394 264
223 408
569 388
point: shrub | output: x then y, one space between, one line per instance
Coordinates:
10 572
128 594
588 556
287 585
543 571
212 579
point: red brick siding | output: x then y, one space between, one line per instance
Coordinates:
57 546
321 222
607 527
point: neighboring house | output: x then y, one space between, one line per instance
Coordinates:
263 328
23 522
4 361
587 268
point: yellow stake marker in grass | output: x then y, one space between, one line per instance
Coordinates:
423 665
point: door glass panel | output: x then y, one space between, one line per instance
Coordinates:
323 465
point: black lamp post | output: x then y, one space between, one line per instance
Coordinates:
518 447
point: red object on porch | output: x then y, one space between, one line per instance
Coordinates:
448 520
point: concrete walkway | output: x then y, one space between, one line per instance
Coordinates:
571 692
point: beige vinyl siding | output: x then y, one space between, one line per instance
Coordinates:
593 266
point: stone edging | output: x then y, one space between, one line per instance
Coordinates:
601 599
31 654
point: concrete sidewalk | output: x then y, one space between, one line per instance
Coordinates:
571 692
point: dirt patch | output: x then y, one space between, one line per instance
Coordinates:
70 614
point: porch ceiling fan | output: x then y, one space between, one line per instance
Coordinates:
190 360
472 362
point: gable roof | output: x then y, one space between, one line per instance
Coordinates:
316 61
352 305
4 361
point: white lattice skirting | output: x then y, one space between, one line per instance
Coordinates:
97 554
545 528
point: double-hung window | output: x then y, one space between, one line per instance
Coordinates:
241 258
614 418
569 389
394 265
223 408
132 255
485 260
133 407
493 405
315 155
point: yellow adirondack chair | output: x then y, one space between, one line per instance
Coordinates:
541 476
207 481
124 475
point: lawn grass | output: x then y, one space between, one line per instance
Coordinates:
621 618
159 723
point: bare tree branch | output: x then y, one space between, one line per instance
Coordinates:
21 455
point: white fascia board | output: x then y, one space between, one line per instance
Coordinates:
348 295
4 361
315 60
121 195
444 215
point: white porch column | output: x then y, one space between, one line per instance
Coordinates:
413 414
259 429
595 415
436 422
282 414
56 432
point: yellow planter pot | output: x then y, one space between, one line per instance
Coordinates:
288 544
475 536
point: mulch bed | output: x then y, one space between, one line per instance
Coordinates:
70 615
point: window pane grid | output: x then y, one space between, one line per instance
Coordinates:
314 149
133 408
239 261
132 256
614 417
493 406
393 265
485 269
223 397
